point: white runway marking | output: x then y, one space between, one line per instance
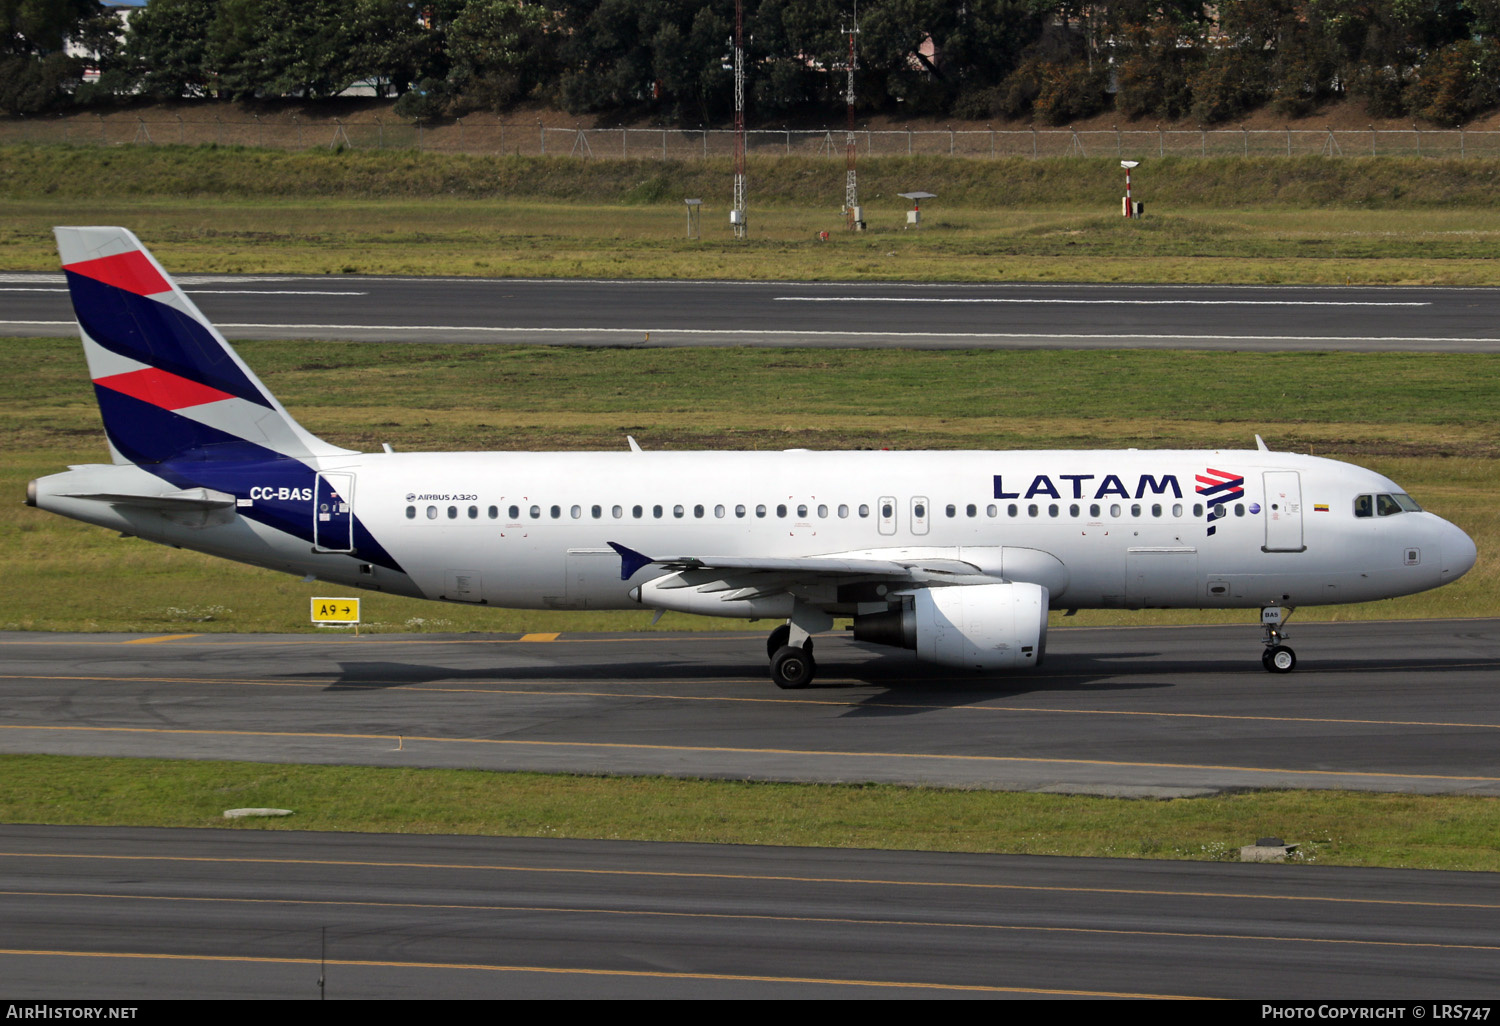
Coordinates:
214 292
792 333
1087 302
669 334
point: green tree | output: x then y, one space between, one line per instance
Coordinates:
167 47
35 73
499 51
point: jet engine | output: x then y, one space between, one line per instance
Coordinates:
999 626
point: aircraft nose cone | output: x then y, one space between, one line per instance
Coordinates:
1459 553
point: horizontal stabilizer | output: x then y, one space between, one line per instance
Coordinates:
191 498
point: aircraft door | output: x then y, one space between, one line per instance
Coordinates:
1283 511
333 513
887 511
919 513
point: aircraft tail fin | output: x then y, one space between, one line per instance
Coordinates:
169 386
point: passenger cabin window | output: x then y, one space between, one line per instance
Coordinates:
411 512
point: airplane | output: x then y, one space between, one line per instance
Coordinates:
956 555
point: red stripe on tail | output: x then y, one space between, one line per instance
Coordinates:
162 388
132 271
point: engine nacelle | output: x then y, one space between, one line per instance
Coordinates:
979 627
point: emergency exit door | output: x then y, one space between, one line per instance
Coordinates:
1283 511
333 513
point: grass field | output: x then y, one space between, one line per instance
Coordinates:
1331 828
1299 220
1428 421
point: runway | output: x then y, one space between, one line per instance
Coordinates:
713 313
1397 707
126 914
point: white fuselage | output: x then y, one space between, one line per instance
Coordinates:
1124 529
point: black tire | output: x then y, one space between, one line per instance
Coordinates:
792 668
1279 659
778 639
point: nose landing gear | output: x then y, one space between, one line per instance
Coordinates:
1277 658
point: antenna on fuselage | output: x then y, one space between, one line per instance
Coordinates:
636 446
1260 444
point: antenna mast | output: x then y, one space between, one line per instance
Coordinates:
852 213
737 214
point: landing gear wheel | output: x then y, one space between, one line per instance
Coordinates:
792 668
1279 659
779 639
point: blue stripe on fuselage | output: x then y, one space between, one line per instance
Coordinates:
152 438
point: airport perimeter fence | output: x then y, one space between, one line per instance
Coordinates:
491 136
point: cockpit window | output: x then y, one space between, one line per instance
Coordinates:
1385 505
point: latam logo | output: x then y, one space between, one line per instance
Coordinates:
1219 487
1082 486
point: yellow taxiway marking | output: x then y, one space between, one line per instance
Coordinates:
540 637
727 750
158 639
501 867
565 971
636 696
832 920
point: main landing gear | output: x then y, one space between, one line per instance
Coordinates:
791 653
1277 658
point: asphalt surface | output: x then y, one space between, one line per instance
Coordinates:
129 914
1397 707
697 313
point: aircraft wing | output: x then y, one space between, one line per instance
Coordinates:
920 571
